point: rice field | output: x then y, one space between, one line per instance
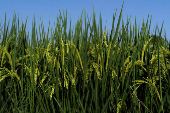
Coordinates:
124 71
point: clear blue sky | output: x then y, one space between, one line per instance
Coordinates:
49 10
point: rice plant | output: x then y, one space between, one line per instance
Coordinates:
125 71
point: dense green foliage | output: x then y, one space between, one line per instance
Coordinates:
122 72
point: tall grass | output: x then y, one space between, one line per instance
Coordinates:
126 71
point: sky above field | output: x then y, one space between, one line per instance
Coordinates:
49 10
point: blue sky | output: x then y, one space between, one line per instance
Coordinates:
49 10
